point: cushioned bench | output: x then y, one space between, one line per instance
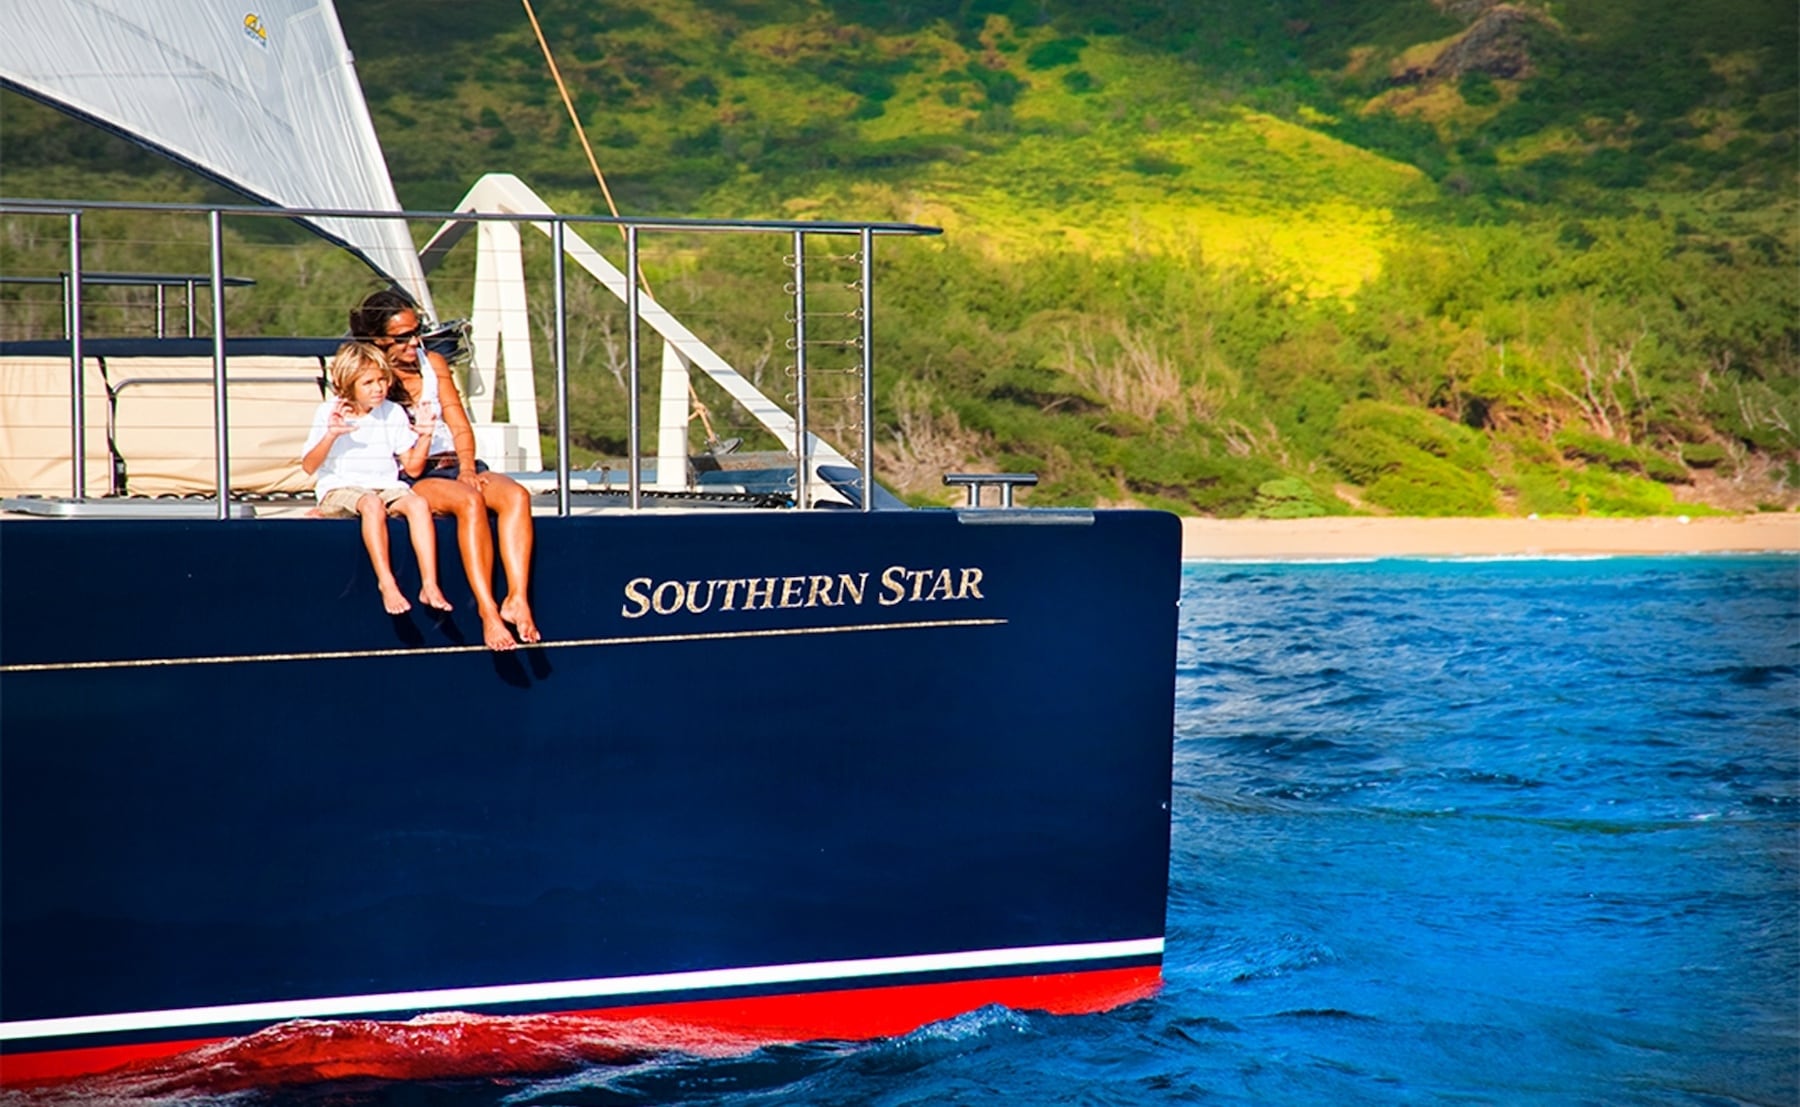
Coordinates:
35 443
162 422
150 424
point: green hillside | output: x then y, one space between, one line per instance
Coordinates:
1299 257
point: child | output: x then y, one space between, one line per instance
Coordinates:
355 440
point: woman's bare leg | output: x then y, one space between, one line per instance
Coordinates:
424 544
476 545
375 540
511 502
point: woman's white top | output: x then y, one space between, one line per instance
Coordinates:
442 441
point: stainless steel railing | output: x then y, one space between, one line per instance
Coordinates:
633 228
160 283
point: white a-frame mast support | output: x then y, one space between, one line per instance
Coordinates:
501 328
502 337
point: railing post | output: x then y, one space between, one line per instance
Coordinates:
802 451
634 479
77 370
867 250
558 276
221 432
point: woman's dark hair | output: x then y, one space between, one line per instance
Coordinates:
369 319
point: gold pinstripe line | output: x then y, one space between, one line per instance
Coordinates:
339 655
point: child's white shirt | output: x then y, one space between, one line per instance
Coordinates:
367 457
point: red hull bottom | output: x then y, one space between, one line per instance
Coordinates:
456 1045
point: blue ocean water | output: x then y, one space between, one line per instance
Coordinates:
1510 832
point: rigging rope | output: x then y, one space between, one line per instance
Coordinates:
700 409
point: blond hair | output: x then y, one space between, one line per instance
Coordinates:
349 363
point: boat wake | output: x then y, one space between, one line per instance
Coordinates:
443 1046
516 1061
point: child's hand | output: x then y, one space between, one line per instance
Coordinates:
338 422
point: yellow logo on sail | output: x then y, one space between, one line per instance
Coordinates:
253 28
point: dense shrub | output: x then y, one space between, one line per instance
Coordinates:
1558 491
1413 461
1600 492
1287 498
1664 469
1586 446
1703 455
1431 486
1061 51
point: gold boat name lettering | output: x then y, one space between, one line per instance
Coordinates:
896 585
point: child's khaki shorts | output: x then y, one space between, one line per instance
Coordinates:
342 501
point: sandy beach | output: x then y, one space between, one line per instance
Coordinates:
1361 537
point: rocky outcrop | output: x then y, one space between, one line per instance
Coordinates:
1497 42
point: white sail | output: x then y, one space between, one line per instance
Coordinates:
259 94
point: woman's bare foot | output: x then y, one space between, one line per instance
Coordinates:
431 596
517 612
394 600
495 634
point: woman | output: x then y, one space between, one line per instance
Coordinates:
454 482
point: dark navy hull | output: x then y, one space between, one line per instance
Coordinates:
233 791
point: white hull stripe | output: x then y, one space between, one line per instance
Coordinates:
445 998
572 643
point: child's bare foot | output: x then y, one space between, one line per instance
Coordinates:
394 600
430 596
517 612
495 634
